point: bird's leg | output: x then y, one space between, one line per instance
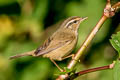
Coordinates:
72 55
56 65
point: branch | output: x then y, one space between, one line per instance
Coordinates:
109 11
90 70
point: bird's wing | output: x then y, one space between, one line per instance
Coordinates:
51 45
51 49
44 46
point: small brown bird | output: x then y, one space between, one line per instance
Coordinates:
61 43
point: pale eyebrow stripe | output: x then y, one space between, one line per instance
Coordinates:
69 23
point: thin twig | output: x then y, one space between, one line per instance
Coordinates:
108 12
91 70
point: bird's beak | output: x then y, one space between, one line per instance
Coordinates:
82 19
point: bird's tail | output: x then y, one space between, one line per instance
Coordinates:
30 53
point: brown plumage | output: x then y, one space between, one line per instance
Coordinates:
60 43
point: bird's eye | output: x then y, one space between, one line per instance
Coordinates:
75 21
71 23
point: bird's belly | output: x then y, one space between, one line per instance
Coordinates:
59 53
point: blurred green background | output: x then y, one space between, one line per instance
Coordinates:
24 24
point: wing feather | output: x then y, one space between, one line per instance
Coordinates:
54 42
53 48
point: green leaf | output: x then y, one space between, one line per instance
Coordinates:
70 71
116 70
67 70
115 41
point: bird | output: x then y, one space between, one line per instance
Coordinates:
60 44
